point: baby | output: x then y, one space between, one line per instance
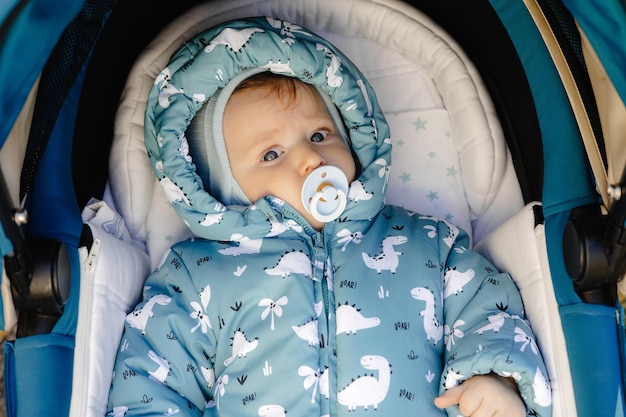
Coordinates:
304 293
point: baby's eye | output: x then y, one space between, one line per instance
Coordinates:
319 136
271 155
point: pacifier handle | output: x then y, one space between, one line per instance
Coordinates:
318 196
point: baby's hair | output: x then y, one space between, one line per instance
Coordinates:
285 87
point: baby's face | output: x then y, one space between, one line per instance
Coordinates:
274 144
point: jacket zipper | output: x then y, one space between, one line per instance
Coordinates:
319 263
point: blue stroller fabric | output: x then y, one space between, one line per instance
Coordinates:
48 197
595 337
565 157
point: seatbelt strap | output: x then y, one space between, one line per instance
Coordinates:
590 141
57 78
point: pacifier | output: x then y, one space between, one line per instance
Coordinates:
324 193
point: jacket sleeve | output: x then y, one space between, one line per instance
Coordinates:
162 366
485 326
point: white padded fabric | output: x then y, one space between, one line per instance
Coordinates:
518 247
112 273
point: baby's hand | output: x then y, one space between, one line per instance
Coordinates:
485 395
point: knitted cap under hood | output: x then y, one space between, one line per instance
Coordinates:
207 146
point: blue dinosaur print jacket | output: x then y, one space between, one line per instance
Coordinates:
260 315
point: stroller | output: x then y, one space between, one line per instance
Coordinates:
524 99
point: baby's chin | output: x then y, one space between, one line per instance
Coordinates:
315 224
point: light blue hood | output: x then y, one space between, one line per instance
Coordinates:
208 62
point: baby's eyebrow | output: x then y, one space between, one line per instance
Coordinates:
260 144
263 140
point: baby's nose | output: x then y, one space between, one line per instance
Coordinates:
310 159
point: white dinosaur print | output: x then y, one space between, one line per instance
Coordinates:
349 320
278 228
452 234
388 259
241 347
454 281
319 306
272 410
367 390
375 127
496 321
212 218
164 76
205 296
209 376
332 77
515 375
308 331
198 97
357 192
138 319
159 164
173 192
119 411
279 67
168 90
453 378
234 39
432 327
541 388
294 262
246 246
163 370
184 148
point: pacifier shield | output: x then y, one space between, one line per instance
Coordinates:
324 193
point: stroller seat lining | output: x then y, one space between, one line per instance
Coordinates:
449 159
440 119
